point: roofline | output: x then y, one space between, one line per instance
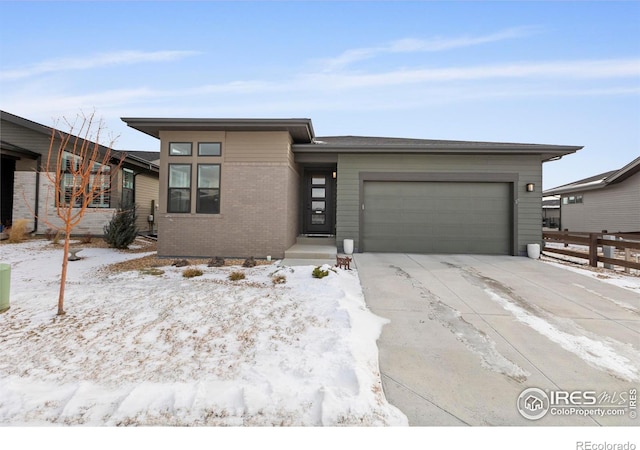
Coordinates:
625 172
35 126
137 161
454 147
583 187
619 175
301 129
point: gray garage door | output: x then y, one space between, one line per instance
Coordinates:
437 217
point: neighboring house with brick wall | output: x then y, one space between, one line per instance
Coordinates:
26 192
608 201
252 187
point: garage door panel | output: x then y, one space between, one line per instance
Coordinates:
437 217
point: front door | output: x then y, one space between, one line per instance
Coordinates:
319 205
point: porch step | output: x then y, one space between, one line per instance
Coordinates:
316 240
304 251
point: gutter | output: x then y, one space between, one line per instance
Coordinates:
36 209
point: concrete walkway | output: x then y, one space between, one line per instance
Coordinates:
468 334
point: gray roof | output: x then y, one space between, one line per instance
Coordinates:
597 181
147 156
301 130
373 144
131 159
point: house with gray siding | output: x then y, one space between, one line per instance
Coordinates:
607 201
254 187
25 191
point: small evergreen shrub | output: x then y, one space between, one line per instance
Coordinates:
191 272
121 231
319 273
237 275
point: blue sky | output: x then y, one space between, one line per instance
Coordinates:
534 72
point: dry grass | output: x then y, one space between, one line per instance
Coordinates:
18 231
192 272
237 275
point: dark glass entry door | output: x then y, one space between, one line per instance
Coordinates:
319 206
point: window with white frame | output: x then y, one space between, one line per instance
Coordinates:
74 189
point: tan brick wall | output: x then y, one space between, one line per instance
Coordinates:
253 220
259 195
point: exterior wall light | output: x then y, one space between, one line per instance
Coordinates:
530 187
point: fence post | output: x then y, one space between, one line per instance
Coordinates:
593 249
627 257
564 236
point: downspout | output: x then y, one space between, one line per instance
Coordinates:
38 169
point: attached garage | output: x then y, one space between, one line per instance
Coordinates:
437 217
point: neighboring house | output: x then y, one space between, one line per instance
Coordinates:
26 191
250 187
608 201
550 212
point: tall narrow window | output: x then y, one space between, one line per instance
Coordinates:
128 178
101 182
179 188
208 198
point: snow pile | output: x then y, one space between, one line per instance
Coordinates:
141 349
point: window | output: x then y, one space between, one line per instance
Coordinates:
572 200
180 148
72 183
101 179
128 197
179 188
209 149
208 198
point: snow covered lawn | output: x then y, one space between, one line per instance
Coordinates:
141 349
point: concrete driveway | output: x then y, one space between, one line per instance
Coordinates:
468 334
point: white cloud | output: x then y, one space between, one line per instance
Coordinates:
562 70
422 45
125 57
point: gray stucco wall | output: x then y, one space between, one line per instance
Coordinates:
613 208
525 168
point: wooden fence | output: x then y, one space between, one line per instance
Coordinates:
627 243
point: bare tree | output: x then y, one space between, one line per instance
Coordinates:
80 171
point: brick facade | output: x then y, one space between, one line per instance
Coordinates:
254 220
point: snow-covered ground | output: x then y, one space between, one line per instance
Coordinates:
143 349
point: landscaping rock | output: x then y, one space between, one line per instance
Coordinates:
180 263
249 262
218 261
